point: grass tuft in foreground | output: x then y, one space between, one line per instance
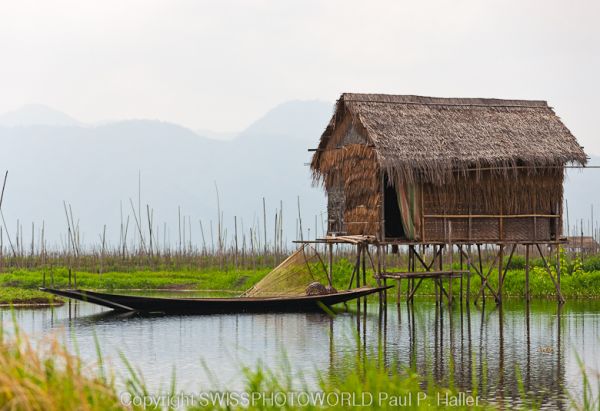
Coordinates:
49 378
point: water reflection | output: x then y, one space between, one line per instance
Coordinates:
499 351
490 349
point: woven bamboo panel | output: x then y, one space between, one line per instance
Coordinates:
335 209
488 229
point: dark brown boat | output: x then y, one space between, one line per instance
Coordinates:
215 305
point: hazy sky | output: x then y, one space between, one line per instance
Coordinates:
219 65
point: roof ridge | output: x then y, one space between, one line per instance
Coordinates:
442 101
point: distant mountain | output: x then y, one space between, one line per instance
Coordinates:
216 135
95 169
36 115
301 120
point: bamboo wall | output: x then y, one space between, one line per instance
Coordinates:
494 202
481 209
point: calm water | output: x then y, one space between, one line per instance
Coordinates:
488 346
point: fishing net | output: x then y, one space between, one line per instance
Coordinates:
293 276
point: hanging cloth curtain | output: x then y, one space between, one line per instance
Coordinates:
409 202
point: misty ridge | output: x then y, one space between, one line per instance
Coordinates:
53 158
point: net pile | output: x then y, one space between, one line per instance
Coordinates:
292 276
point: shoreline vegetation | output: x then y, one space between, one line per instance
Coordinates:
19 283
23 297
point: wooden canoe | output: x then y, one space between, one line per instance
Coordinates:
214 305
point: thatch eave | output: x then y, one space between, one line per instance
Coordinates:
435 139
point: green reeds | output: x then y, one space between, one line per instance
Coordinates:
45 376
48 378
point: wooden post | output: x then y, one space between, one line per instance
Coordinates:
468 296
549 270
500 273
383 269
461 274
330 268
359 251
413 269
408 269
364 264
422 214
398 282
451 258
382 295
559 294
481 272
441 268
527 295
364 272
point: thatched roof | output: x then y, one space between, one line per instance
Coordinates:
433 139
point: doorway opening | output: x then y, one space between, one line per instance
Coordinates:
391 212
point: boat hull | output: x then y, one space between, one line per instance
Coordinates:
215 305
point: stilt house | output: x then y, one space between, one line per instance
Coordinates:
409 169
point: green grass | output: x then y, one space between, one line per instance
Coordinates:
19 296
580 284
21 286
239 280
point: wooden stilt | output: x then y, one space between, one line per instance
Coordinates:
451 262
330 268
485 280
480 271
500 274
409 269
412 268
398 283
559 294
461 276
358 251
358 261
441 267
364 264
356 269
527 295
468 296
364 273
381 267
